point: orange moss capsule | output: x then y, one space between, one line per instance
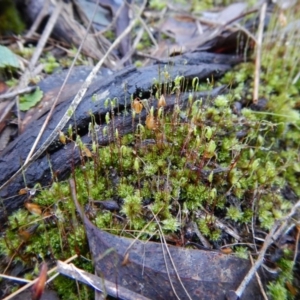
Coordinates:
150 122
23 191
126 259
162 101
137 106
62 137
25 235
87 152
226 250
33 208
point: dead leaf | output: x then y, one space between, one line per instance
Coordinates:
204 274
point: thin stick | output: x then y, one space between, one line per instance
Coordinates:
14 278
258 263
18 92
37 53
148 31
296 244
38 20
201 237
132 50
258 52
273 235
259 280
31 283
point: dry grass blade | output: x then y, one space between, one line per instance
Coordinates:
164 246
14 278
38 19
258 52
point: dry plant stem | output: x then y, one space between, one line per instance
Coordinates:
139 53
255 197
258 263
41 44
245 30
14 278
259 280
137 237
13 94
273 235
38 20
75 101
202 238
296 78
12 257
296 244
258 52
132 50
31 283
164 243
111 24
148 31
9 105
98 283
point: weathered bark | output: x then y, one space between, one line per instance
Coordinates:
120 85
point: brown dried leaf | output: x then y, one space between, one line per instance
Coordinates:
204 274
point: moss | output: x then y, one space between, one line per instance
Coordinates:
10 20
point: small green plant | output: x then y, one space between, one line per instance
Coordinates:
29 100
50 64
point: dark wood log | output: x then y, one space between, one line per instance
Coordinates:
120 85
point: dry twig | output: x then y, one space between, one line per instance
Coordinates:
275 232
18 92
258 52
